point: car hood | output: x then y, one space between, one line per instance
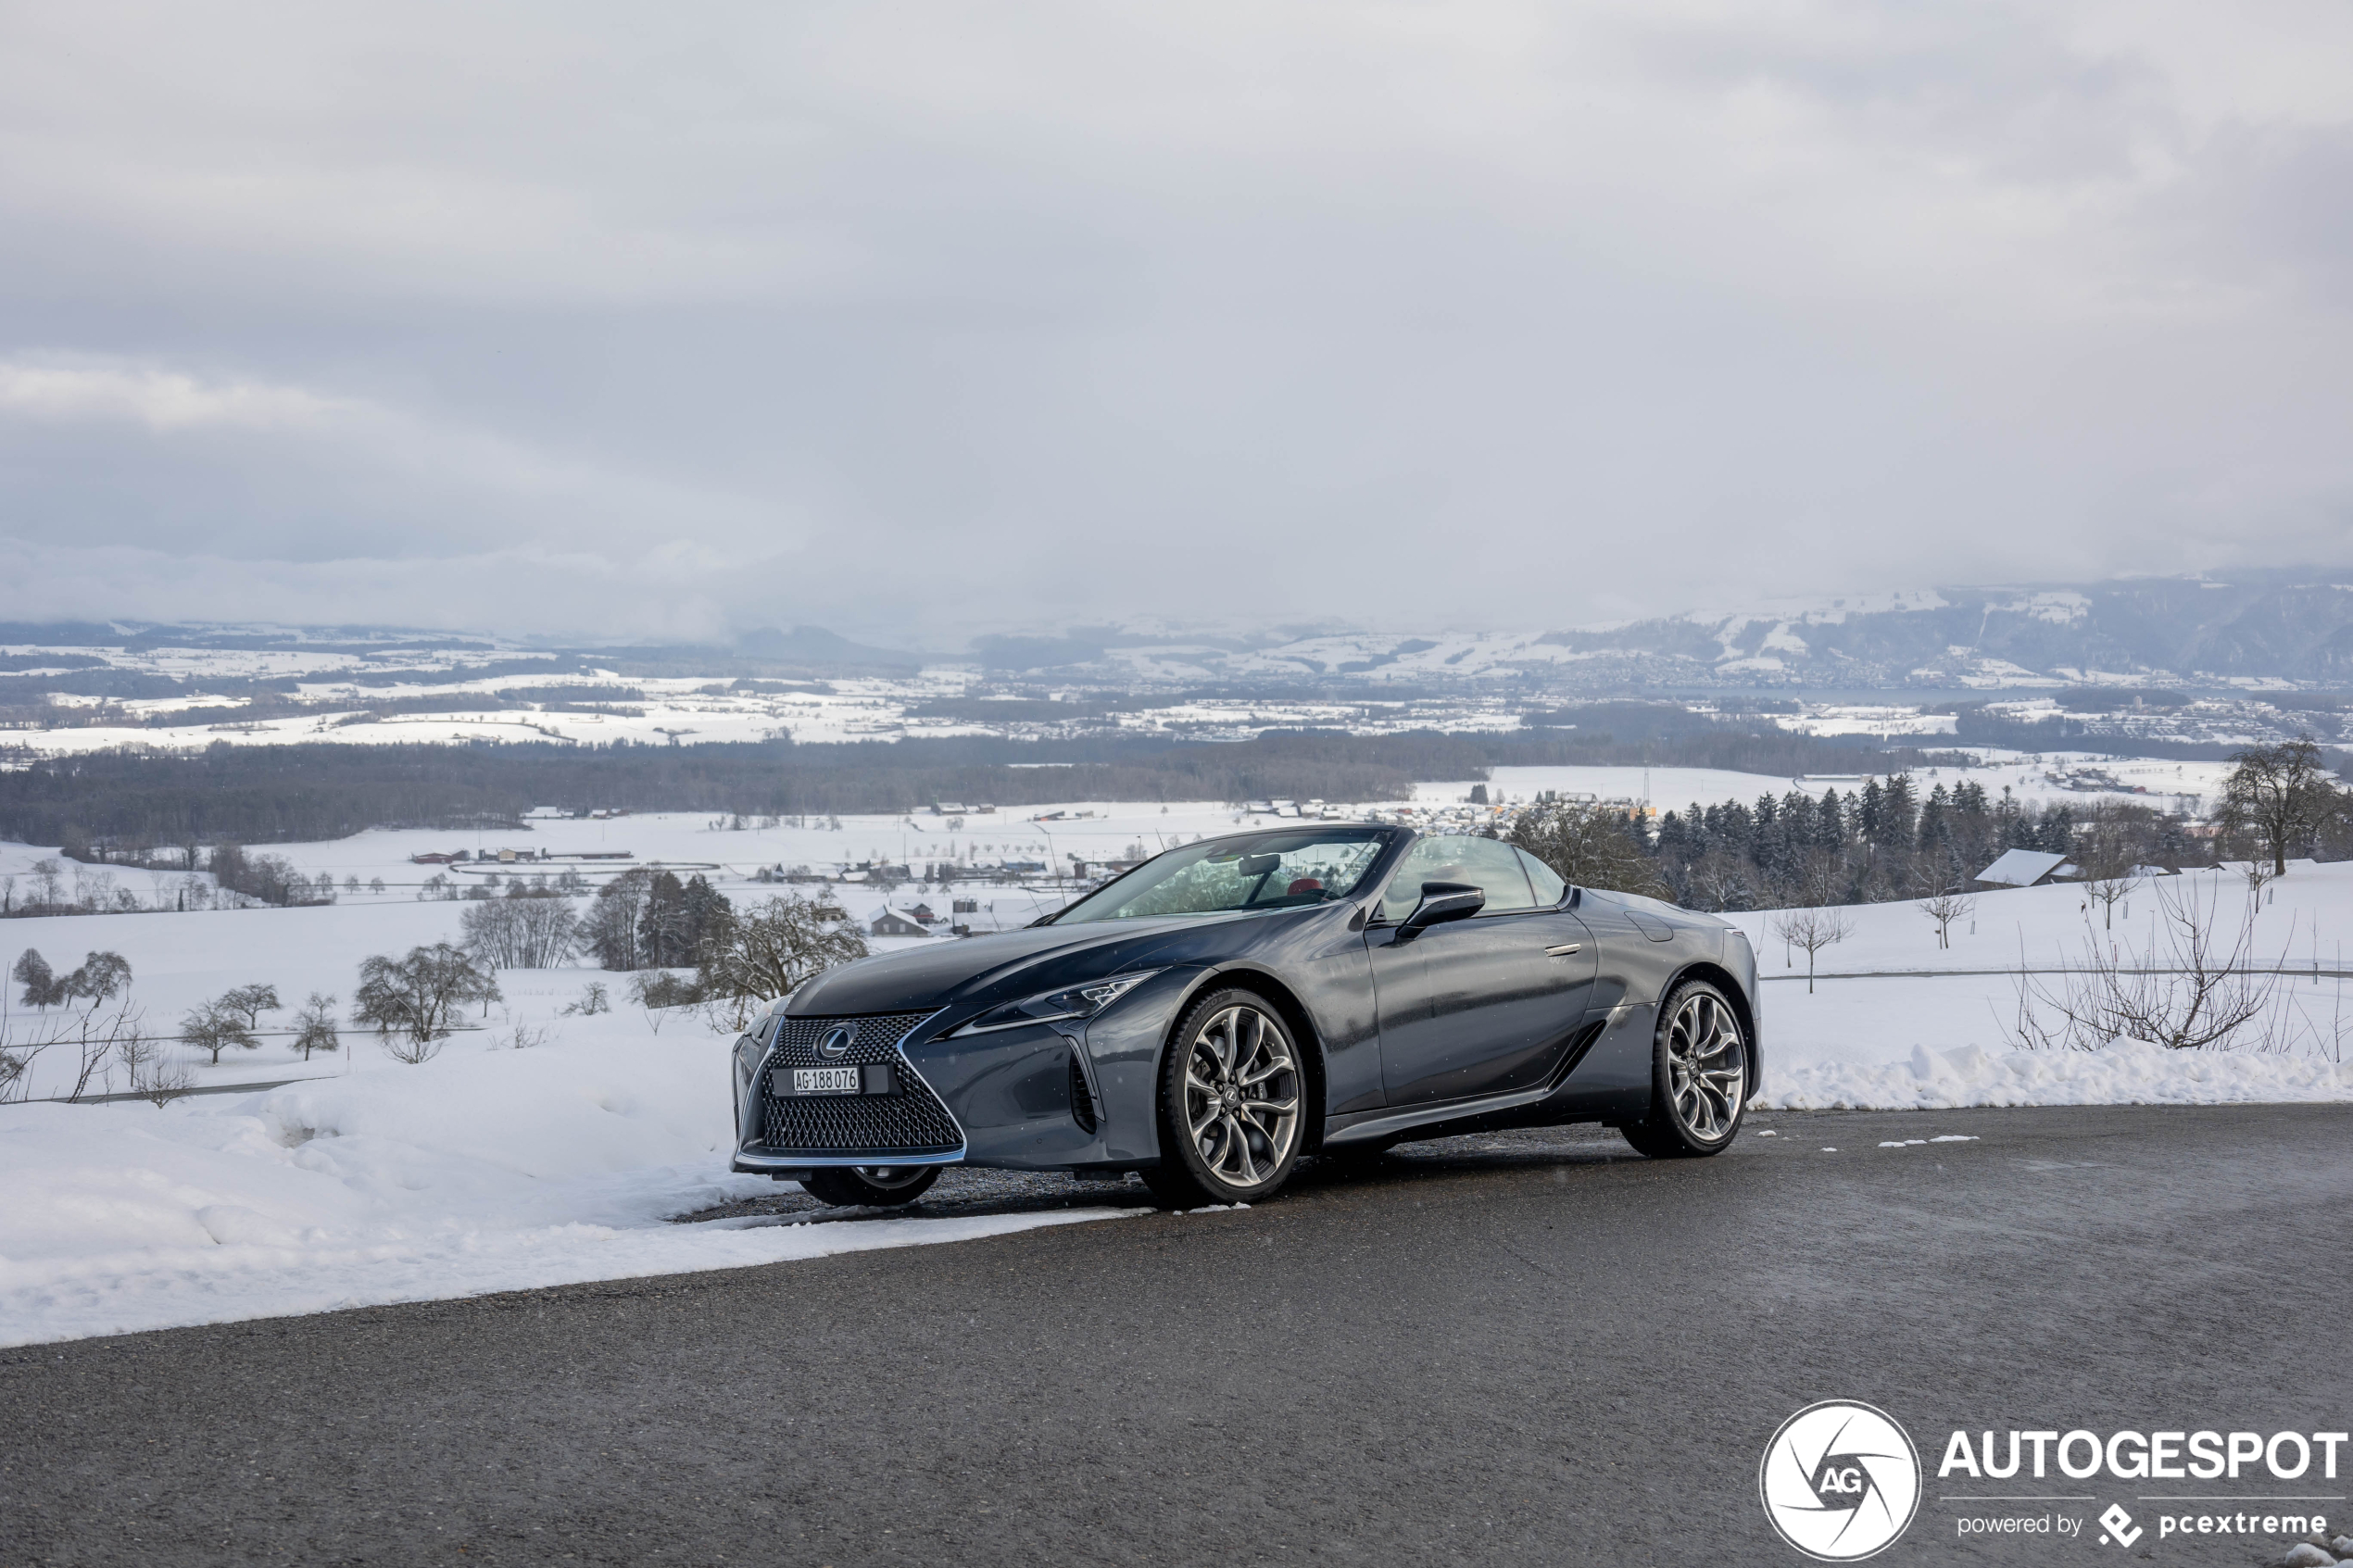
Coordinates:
989 969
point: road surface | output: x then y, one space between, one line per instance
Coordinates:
1526 1349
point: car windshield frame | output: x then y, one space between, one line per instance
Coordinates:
1236 847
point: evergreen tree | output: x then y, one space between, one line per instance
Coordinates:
1897 811
1934 836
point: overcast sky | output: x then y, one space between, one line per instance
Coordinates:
917 321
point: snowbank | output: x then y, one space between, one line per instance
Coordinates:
2130 1072
492 1172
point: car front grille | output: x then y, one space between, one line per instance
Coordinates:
908 1121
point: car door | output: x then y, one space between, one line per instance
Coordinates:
1481 1006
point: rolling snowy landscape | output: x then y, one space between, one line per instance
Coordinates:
545 1145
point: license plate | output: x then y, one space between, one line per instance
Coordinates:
824 1081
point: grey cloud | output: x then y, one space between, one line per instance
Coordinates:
922 321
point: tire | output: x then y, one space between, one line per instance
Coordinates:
870 1187
1699 1077
1232 1111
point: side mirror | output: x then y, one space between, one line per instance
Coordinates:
1442 901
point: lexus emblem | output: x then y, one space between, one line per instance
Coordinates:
834 1046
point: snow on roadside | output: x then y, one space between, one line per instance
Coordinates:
2129 1073
494 1171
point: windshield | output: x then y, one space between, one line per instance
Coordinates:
1274 871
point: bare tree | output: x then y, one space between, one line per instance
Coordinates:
1591 846
40 981
1813 929
770 950
524 933
315 1026
414 1001
250 1002
2281 795
1944 909
215 1027
100 977
611 927
2108 856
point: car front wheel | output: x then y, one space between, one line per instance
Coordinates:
1231 1098
1699 1077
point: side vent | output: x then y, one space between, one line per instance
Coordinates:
1577 1046
1082 1103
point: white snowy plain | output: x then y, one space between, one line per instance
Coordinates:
482 1171
497 1168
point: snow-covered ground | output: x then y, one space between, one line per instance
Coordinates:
1903 1023
481 1171
542 1147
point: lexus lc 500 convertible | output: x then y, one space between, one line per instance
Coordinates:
1229 1006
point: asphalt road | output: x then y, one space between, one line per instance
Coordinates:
1532 1349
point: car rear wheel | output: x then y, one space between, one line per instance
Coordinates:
1699 1077
857 1186
1231 1095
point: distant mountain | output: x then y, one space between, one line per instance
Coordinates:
819 648
2252 629
2294 627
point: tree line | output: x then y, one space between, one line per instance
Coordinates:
144 807
1885 840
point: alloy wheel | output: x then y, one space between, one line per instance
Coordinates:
1707 1067
1241 1095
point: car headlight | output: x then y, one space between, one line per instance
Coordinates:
1056 1007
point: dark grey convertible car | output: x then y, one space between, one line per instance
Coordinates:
1229 1006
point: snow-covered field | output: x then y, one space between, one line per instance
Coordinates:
1903 1022
482 1171
543 1147
2057 778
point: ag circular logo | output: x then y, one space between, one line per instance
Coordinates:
834 1046
1839 1481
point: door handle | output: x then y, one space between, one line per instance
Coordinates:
1564 949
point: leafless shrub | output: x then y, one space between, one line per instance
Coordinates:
90 1036
658 991
515 1035
1811 930
96 1037
593 1000
2192 991
161 1079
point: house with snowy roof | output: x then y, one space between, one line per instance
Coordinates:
2027 867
